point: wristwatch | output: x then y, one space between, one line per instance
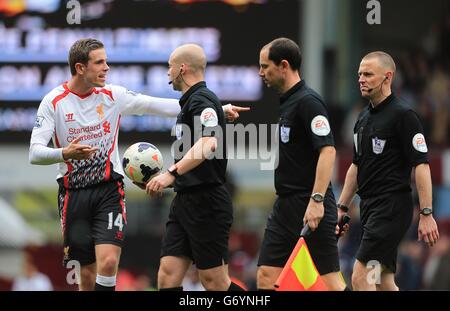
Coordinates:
317 197
173 171
426 211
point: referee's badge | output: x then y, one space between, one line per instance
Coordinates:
419 143
378 145
284 133
320 126
209 117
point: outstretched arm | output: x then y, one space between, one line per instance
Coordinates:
139 104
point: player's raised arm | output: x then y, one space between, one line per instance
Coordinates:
139 104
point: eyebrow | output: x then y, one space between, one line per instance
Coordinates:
97 60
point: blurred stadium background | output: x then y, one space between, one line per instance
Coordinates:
139 36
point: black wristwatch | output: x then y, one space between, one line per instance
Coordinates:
426 211
343 207
173 171
317 197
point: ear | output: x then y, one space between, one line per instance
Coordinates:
284 64
79 67
388 76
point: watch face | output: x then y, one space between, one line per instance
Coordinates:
426 211
317 197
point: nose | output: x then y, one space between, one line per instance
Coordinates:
106 67
261 72
361 79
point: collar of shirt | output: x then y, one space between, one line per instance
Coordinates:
291 91
191 90
381 105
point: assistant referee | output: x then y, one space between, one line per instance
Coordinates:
302 178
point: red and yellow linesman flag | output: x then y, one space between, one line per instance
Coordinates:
300 273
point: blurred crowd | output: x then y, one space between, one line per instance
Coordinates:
423 79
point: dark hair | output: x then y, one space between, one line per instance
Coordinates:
79 52
284 48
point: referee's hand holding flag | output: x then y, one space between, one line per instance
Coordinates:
300 272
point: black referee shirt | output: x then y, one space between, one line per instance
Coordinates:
303 129
388 141
201 106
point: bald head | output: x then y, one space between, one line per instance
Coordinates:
384 60
192 55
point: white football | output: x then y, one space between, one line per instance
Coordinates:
141 162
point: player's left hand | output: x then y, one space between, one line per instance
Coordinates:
314 214
158 183
428 230
232 112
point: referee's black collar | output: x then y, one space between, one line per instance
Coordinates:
381 105
291 91
191 90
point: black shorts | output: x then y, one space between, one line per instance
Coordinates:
91 216
283 231
199 226
385 220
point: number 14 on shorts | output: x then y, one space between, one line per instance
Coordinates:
118 222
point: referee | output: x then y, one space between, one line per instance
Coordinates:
201 213
388 143
302 178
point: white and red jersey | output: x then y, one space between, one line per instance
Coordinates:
95 117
